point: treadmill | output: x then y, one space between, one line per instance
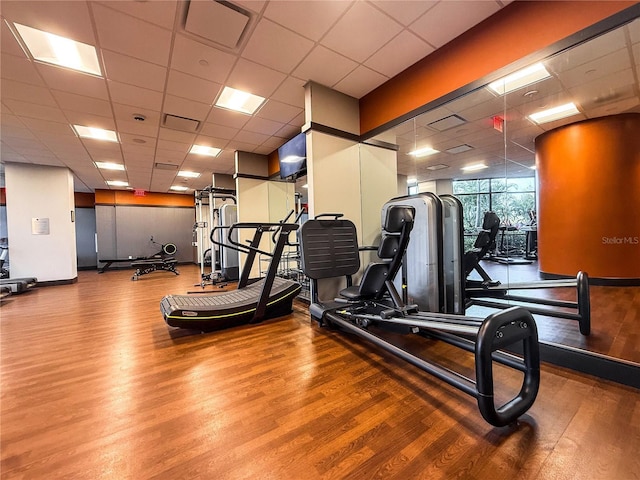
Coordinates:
252 302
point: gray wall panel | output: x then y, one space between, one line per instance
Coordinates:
131 228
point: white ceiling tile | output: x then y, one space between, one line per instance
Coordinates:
176 136
201 60
66 80
135 96
291 92
314 67
8 43
248 137
133 71
263 126
228 118
132 36
68 19
182 107
311 19
208 141
194 88
404 11
281 49
447 20
25 92
89 120
159 12
14 131
80 103
400 53
32 110
137 128
218 131
253 78
47 126
172 146
131 141
278 111
360 82
361 32
20 69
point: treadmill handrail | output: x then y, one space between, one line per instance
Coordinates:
262 227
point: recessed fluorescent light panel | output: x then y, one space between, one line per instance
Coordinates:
519 79
423 152
109 166
239 101
202 150
187 174
49 48
117 183
96 133
474 168
555 113
178 188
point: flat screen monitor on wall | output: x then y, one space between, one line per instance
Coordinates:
293 157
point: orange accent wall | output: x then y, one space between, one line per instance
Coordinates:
520 29
123 197
589 198
274 163
86 200
3 196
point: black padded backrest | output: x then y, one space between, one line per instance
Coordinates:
329 248
388 246
397 216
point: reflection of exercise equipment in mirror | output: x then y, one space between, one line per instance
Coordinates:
488 292
163 260
252 301
373 308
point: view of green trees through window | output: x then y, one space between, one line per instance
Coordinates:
512 199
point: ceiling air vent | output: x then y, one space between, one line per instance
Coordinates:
447 122
166 166
218 21
181 123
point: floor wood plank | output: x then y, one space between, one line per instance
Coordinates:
95 385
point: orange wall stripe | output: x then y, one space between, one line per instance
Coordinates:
122 197
520 29
84 200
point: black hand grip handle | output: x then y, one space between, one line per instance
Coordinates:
497 331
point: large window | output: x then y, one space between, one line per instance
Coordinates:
512 199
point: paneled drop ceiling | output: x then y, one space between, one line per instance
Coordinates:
601 76
171 57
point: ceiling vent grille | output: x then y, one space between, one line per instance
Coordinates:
166 166
181 123
218 21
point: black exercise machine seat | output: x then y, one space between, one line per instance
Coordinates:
397 227
329 249
485 242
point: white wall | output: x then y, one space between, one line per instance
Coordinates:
46 194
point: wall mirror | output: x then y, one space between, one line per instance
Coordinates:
485 153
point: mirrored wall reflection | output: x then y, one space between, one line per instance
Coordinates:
481 147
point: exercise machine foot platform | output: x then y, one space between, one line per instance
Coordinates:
329 249
268 297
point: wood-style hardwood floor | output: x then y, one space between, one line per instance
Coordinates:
96 386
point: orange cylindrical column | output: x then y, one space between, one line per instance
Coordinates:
589 198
